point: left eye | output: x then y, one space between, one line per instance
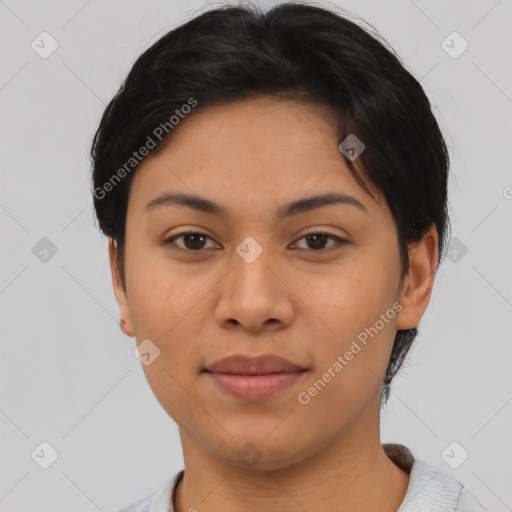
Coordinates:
319 239
194 241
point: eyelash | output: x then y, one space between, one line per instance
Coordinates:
340 241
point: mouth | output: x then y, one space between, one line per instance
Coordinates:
252 386
254 378
242 364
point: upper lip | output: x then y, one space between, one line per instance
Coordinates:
247 365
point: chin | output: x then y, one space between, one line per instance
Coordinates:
262 453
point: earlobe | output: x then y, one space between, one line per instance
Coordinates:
125 321
419 281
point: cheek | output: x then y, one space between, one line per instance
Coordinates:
160 294
165 308
355 319
350 297
170 313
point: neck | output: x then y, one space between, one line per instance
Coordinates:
354 474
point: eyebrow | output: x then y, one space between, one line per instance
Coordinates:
306 204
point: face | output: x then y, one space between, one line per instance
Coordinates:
252 276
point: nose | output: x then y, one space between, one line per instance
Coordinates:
253 296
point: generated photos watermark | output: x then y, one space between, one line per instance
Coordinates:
304 397
158 133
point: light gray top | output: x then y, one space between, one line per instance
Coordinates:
429 490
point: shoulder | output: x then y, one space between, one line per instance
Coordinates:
468 503
431 489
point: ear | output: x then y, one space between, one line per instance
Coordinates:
121 298
419 280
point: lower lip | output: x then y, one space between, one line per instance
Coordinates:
255 387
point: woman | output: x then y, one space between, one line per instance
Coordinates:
274 190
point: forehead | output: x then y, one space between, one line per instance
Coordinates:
255 152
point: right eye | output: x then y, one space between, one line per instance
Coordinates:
192 241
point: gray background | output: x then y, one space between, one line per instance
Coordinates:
68 374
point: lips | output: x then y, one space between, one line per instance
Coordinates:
246 365
254 378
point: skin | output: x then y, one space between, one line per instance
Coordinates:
196 307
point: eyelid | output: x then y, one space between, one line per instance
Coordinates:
339 240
